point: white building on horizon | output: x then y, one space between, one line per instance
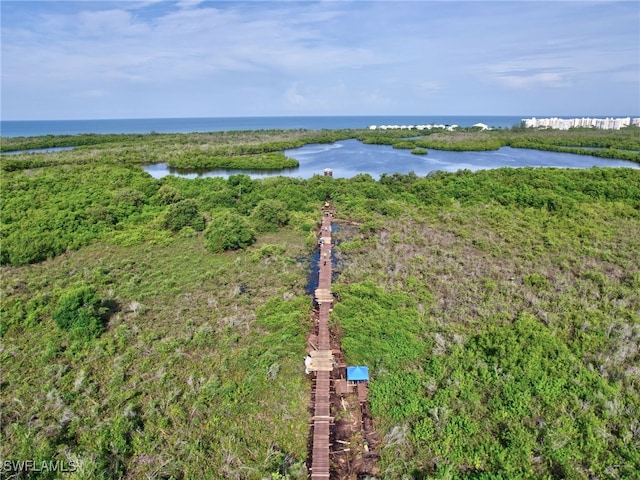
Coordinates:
608 123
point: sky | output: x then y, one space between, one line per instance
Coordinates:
154 59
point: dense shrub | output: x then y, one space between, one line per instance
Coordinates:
229 231
55 210
184 214
167 195
78 312
269 215
128 196
262 161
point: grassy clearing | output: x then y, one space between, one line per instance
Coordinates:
504 340
197 376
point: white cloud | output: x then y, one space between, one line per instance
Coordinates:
108 23
189 3
429 86
293 97
532 80
139 4
99 25
327 57
375 99
94 93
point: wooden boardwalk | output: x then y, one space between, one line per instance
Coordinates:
323 360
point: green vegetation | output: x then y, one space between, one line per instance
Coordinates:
621 144
52 141
270 215
256 150
229 231
263 150
197 374
51 210
156 328
78 312
184 213
201 160
502 324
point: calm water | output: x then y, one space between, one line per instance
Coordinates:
348 158
38 150
29 128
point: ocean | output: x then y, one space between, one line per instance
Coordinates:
30 128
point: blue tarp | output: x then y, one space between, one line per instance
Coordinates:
357 374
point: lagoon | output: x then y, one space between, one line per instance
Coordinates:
349 158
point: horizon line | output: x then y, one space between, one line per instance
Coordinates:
324 115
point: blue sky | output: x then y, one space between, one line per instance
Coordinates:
137 59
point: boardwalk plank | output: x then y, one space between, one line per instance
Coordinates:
323 361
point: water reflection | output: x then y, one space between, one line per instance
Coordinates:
349 158
159 170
